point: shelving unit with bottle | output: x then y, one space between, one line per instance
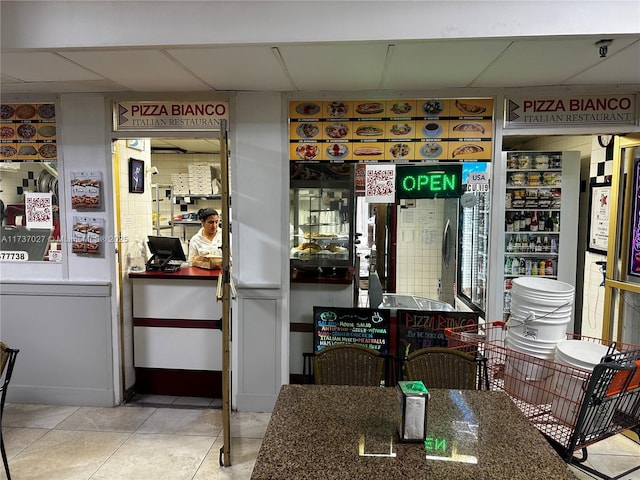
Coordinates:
534 217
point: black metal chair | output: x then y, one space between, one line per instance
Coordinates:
7 362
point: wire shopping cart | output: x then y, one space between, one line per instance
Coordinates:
572 407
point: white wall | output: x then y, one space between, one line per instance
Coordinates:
260 242
62 316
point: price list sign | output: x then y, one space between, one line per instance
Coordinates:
367 327
406 130
28 132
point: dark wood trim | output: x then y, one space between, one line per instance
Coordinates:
183 383
177 323
301 327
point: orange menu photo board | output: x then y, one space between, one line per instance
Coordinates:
396 130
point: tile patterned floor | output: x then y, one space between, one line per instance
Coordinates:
176 441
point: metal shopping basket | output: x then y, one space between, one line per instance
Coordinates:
572 407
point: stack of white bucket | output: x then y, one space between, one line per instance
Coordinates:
540 313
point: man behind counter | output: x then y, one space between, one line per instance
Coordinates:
208 240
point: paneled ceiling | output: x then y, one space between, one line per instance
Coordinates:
372 67
341 67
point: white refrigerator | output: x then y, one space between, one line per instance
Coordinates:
535 224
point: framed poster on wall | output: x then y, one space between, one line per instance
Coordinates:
599 197
136 176
634 245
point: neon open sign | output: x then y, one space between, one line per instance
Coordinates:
437 181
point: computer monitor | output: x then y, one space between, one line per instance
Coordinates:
163 250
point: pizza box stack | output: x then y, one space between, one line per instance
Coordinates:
413 400
180 182
200 178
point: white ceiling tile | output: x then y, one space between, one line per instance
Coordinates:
235 68
335 67
537 62
139 70
621 67
43 67
440 64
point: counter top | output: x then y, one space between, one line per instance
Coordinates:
183 273
337 432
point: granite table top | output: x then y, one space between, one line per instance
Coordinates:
346 432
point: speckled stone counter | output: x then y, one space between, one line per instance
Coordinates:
338 432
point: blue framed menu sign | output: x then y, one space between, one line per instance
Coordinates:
421 329
368 327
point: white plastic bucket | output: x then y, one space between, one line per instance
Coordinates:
528 374
541 308
530 346
552 330
582 356
544 286
580 353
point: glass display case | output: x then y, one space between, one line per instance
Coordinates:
321 217
474 249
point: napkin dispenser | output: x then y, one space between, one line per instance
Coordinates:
413 400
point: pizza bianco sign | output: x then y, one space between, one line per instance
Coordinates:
169 115
583 110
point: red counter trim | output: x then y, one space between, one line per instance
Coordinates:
184 273
177 323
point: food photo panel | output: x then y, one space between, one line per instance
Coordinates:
401 108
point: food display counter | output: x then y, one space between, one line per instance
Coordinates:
176 332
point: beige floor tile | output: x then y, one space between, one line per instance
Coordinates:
155 399
17 439
243 457
617 445
65 455
249 425
156 457
193 401
180 421
115 419
35 416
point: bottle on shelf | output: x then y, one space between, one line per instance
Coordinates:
532 244
541 267
527 220
554 245
516 222
538 244
509 223
534 267
556 222
518 244
534 222
507 266
548 223
546 245
510 245
515 266
548 268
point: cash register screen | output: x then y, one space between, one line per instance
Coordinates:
166 247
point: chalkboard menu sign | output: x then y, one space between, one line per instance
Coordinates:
368 327
421 329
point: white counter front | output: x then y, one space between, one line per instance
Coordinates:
176 332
